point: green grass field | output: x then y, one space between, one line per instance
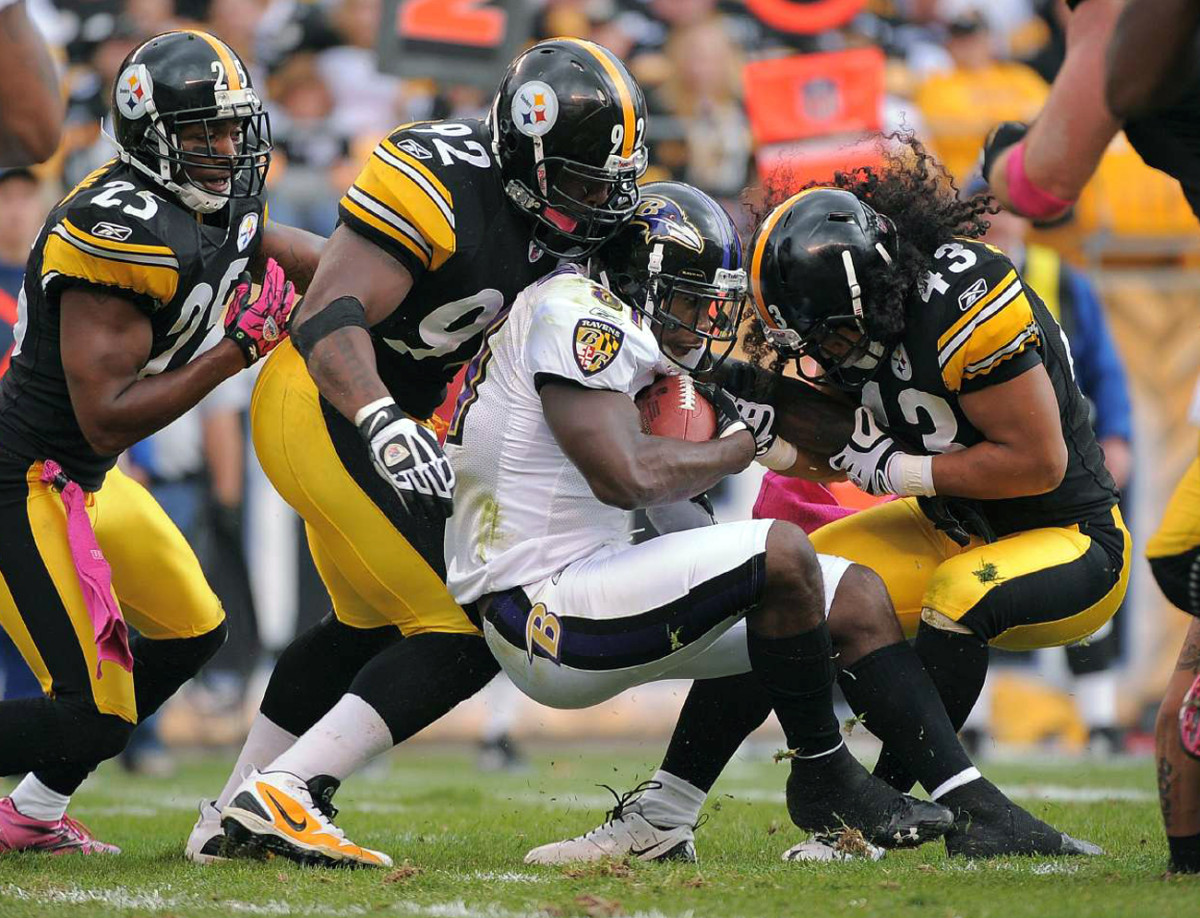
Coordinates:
461 837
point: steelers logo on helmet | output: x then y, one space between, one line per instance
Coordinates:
134 90
534 108
664 220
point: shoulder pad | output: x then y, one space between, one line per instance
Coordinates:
404 197
115 235
984 314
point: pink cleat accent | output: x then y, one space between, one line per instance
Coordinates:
66 836
1189 721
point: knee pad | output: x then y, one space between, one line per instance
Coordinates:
1178 576
182 656
943 622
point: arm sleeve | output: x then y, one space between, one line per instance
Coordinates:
401 205
568 343
1097 363
995 337
109 254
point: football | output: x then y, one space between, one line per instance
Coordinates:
671 407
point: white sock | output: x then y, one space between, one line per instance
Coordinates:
34 799
1096 698
503 700
676 803
338 744
266 741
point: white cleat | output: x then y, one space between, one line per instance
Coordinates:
208 838
834 847
278 813
627 833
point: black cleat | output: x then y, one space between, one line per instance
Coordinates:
844 795
998 828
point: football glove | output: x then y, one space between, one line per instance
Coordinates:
257 326
1001 137
406 454
729 419
874 461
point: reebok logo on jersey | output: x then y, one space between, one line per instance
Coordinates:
112 231
972 294
597 343
414 149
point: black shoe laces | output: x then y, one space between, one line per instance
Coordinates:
626 799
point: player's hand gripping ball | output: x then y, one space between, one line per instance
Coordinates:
671 406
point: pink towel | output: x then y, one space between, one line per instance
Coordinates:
806 503
95 576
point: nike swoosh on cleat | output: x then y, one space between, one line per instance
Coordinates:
296 826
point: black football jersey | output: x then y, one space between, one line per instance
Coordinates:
973 323
431 196
117 230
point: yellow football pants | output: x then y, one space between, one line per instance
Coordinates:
361 537
156 579
1038 588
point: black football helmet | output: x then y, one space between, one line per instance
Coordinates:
568 124
189 77
678 262
808 262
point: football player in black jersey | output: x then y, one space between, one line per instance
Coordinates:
1134 66
118 336
445 224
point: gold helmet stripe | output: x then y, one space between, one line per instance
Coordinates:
756 256
233 73
625 92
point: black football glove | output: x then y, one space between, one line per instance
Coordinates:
407 455
729 419
1002 136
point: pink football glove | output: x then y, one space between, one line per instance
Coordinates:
258 325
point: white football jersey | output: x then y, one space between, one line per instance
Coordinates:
522 510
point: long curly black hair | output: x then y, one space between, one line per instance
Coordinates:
920 197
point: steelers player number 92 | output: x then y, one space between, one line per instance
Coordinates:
456 41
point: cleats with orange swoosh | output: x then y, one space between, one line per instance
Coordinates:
277 812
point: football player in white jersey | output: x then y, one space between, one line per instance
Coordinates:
549 452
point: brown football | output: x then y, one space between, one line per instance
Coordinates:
671 407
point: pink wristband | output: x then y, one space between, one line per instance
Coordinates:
1027 199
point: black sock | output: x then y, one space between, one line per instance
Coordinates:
957 665
295 699
414 682
892 693
159 668
1185 853
798 673
716 718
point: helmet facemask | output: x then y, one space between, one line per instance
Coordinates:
578 207
162 155
709 312
846 356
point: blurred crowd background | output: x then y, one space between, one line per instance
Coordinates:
736 89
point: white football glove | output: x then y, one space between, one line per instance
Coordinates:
874 462
409 458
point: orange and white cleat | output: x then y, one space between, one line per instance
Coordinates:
276 812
